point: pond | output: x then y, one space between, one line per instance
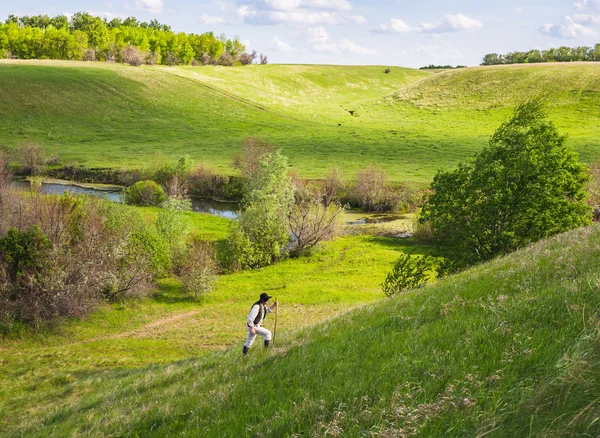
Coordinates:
228 210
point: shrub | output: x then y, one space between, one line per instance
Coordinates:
199 273
247 161
226 59
132 56
173 226
408 273
260 235
156 248
89 55
263 59
60 256
372 193
32 157
172 59
5 173
387 71
153 58
145 193
246 58
312 222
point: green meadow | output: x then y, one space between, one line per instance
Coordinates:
509 348
409 122
43 369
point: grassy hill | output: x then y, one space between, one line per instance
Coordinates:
509 348
409 122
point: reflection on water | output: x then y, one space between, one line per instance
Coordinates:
228 210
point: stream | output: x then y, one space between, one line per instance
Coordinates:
228 210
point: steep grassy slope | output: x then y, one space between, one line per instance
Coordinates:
409 122
509 348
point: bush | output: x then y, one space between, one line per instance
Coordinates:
132 56
246 58
408 273
145 193
172 59
5 173
371 191
263 59
61 256
311 221
32 157
387 71
173 226
260 235
157 250
247 161
333 187
199 274
153 58
226 59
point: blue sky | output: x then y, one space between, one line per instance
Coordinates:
395 32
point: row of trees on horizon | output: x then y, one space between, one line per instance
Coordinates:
84 37
555 54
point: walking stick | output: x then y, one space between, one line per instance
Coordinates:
276 314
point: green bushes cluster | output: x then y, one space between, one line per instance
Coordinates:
61 256
145 193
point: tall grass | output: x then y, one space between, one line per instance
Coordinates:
509 348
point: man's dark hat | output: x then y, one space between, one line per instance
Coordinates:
264 297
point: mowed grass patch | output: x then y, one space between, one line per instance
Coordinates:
505 349
41 371
410 123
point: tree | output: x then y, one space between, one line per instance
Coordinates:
261 234
526 185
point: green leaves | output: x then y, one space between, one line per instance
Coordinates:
408 273
527 185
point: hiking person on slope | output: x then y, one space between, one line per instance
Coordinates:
255 318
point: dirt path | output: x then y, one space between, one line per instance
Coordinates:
141 331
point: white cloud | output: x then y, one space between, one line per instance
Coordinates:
152 6
587 5
586 19
319 38
317 35
441 53
358 19
299 12
335 5
397 26
209 19
348 46
568 30
279 46
298 16
450 23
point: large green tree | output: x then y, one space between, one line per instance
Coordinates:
528 184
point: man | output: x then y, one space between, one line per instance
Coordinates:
255 318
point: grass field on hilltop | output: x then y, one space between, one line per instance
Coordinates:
509 348
42 370
410 122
